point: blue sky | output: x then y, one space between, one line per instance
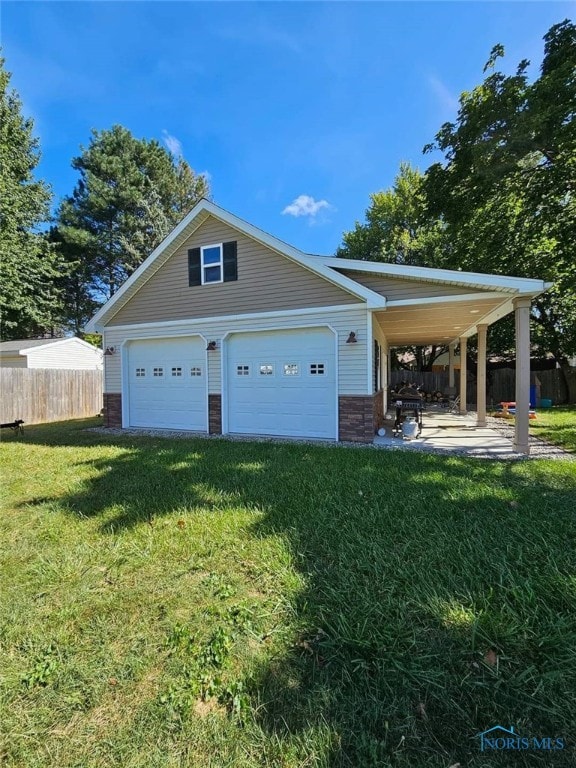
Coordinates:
296 110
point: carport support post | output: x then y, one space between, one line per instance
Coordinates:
463 346
481 377
451 349
522 318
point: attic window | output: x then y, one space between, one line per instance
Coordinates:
212 263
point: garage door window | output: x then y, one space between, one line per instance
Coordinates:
242 370
158 372
291 369
266 370
317 369
176 371
195 372
140 373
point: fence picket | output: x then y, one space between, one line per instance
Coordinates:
40 395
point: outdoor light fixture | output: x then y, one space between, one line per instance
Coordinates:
211 346
352 338
110 351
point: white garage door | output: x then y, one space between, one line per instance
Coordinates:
282 383
167 380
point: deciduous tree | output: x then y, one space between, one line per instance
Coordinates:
399 229
507 188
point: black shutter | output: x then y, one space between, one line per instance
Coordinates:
194 273
230 261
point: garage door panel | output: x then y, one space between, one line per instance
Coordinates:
167 386
301 405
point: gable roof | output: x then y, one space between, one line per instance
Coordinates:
189 225
26 346
329 268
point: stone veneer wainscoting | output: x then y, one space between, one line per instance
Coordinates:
215 414
112 409
358 417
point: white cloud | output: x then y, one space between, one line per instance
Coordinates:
173 144
305 205
447 99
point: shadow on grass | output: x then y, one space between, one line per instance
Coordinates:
440 597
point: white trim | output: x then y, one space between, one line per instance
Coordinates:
337 381
228 318
459 297
125 379
125 383
223 385
312 263
220 264
224 366
521 285
369 350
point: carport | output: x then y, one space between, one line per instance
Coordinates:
451 319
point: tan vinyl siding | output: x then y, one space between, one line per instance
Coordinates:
402 290
352 358
266 281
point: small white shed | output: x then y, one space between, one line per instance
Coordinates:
71 353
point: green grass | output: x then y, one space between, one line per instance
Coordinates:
556 425
196 602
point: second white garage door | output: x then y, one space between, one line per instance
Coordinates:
282 383
167 381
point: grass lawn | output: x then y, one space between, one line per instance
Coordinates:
557 425
206 603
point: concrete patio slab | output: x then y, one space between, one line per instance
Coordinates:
451 433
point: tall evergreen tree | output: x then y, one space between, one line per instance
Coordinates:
130 194
30 302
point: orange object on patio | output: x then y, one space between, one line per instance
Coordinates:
506 406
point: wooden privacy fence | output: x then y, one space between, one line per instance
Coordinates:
501 384
39 395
